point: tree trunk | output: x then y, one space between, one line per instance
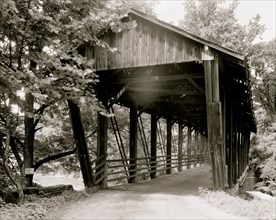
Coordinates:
29 137
81 144
53 157
18 184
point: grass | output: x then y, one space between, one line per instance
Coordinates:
251 209
35 207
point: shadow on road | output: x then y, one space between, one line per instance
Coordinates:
186 182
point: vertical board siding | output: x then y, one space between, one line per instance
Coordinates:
147 44
111 56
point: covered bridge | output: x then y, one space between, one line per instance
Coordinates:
169 73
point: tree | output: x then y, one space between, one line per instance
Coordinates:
215 21
41 52
263 60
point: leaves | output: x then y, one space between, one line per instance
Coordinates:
215 21
42 53
264 80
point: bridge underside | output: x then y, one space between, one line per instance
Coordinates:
199 96
174 91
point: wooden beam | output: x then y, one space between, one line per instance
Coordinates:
153 134
80 141
196 147
159 78
169 146
231 137
133 144
180 144
118 95
189 145
214 123
215 145
234 162
102 146
215 81
180 91
178 100
195 84
202 148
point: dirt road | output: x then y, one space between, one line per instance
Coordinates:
167 197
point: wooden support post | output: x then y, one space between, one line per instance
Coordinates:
238 150
214 121
180 144
133 145
224 127
202 148
231 145
153 132
235 138
205 148
215 147
247 146
227 129
242 152
196 158
102 147
81 144
169 146
189 144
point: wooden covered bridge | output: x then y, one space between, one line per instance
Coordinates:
171 74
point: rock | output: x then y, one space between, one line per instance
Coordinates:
8 196
261 196
11 196
54 190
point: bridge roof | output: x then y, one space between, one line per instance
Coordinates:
159 68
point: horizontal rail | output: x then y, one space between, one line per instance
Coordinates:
100 180
97 159
141 158
98 166
143 166
99 173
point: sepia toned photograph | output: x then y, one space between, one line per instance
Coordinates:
138 109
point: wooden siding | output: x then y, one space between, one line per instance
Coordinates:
147 44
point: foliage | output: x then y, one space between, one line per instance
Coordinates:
41 51
254 209
42 54
216 21
263 159
4 180
262 153
143 5
34 208
268 176
263 60
37 207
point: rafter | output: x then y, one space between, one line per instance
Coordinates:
180 91
195 84
159 78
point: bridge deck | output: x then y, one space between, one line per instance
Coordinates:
172 196
183 183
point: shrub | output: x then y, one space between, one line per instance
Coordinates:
263 160
253 209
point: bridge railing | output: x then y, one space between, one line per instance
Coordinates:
115 171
